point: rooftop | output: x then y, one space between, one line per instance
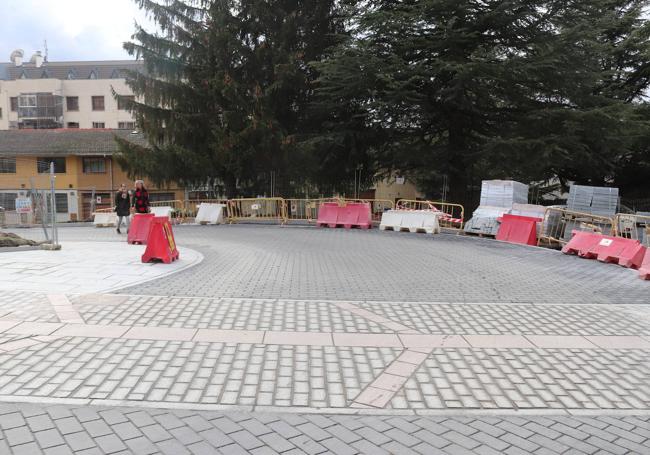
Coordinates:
61 142
107 69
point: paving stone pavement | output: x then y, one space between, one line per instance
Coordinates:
61 429
336 264
305 340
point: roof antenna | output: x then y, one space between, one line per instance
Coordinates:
45 46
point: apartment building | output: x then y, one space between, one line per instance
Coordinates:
86 175
38 94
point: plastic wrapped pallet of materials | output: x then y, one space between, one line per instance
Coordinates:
485 220
503 193
531 210
593 200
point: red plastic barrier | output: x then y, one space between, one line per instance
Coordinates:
139 228
644 270
626 252
605 248
580 243
355 215
364 214
518 229
161 245
328 213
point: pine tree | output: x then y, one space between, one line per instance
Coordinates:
225 89
471 90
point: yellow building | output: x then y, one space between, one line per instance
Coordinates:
86 173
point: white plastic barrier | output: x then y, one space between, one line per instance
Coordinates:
210 213
412 220
162 211
391 219
422 221
105 219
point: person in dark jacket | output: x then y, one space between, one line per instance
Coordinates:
140 198
122 207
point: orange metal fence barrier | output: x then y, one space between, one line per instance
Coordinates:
635 227
257 209
559 223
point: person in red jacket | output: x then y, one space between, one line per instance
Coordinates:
140 198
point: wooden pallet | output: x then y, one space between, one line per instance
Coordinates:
480 234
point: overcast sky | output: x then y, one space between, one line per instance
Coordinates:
74 29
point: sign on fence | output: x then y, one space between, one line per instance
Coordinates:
23 205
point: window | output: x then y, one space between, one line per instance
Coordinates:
14 104
125 125
7 165
0 112
157 197
93 75
43 165
94 165
98 103
123 102
73 125
99 125
61 201
72 103
8 201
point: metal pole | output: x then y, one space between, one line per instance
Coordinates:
55 238
38 203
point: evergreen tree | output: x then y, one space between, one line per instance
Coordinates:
519 88
225 89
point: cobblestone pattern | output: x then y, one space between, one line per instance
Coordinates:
337 264
26 306
227 314
52 430
494 319
208 373
529 378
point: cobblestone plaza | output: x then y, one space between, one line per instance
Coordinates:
303 340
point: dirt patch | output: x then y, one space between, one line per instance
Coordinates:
8 239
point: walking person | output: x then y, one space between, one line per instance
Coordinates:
140 198
122 207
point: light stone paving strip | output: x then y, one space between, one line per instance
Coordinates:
64 309
385 340
379 393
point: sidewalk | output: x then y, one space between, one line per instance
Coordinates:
85 267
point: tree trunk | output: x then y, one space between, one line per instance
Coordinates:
230 183
457 169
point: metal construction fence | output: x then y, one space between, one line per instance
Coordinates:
558 225
453 214
257 209
635 227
